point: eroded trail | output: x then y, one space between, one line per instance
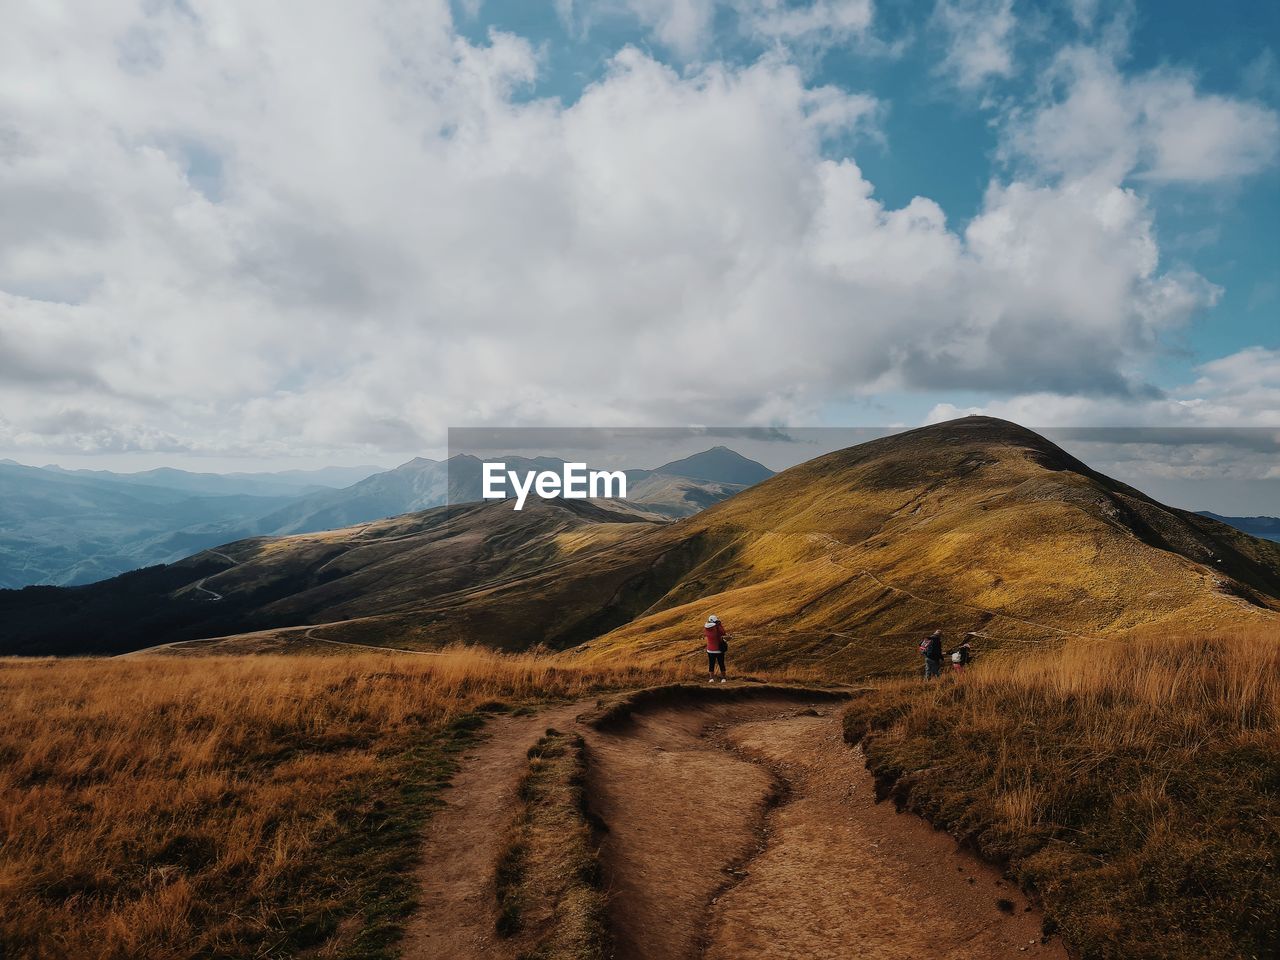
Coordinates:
728 830
750 830
457 912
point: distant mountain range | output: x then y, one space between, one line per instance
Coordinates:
70 527
285 483
65 527
675 489
1266 527
846 560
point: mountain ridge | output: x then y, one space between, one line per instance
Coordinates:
71 527
970 525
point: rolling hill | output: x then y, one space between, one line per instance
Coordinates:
976 524
375 578
676 489
72 527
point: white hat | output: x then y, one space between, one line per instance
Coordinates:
713 619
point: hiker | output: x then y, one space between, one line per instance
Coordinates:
931 647
717 645
962 654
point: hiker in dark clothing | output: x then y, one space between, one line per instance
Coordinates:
962 654
932 650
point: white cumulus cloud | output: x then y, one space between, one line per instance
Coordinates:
232 230
1155 126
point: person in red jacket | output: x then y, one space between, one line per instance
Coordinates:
717 644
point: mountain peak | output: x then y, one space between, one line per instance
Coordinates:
719 464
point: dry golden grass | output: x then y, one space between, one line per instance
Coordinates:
234 807
971 525
1135 785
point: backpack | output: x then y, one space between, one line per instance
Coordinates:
957 657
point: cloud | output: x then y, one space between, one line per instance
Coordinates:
1155 126
687 27
682 25
242 231
980 36
830 21
1234 395
1084 12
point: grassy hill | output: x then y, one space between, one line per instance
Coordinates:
380 582
976 524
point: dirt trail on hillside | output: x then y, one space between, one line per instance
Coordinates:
751 830
728 831
457 908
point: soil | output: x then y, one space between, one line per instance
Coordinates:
728 831
457 912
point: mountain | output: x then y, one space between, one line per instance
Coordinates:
840 562
374 579
65 528
417 485
975 524
288 483
94 524
675 489
720 465
1268 528
681 488
674 496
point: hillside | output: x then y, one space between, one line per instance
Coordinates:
676 489
840 562
71 527
975 524
379 578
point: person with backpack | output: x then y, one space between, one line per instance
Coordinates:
717 646
931 647
962 654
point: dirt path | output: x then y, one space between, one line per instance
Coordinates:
750 830
678 810
729 831
844 876
455 919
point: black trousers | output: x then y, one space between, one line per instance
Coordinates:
713 659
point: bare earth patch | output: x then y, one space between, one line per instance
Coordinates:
727 830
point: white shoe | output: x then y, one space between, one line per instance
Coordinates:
722 679
712 680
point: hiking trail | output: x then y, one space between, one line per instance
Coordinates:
730 829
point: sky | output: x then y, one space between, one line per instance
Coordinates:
242 235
